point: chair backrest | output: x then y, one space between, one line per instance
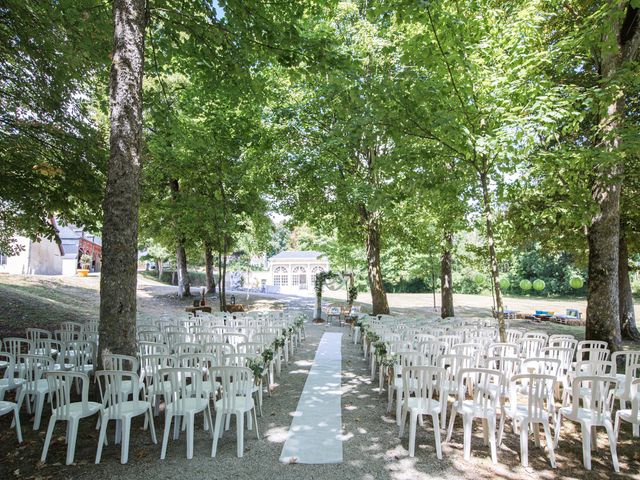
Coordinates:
32 369
631 373
72 327
501 349
81 353
153 348
151 366
150 336
122 363
254 348
453 364
595 354
563 342
186 383
531 346
432 349
537 389
110 383
594 367
541 366
485 384
237 359
60 392
206 337
425 382
626 358
236 385
17 346
537 334
400 346
203 361
219 350
67 336
10 370
174 338
564 355
586 344
184 348
235 338
468 349
35 334
513 335
593 393
507 366
450 341
634 396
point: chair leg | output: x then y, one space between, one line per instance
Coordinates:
152 427
39 408
443 413
524 444
47 440
616 429
16 421
586 446
467 423
451 420
101 438
485 431
536 434
216 433
403 421
436 434
165 436
492 439
412 433
501 428
71 441
240 433
547 434
612 446
190 421
126 433
255 417
557 431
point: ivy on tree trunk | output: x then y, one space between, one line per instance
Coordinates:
446 281
118 279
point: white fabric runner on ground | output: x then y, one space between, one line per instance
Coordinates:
315 435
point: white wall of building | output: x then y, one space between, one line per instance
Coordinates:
35 258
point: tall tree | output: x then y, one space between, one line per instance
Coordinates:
120 229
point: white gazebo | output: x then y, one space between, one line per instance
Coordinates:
295 271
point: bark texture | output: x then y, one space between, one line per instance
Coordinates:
118 280
493 258
374 270
603 297
184 285
208 268
446 282
628 328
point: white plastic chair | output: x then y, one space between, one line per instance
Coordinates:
236 399
35 387
537 390
10 407
631 415
424 383
155 386
530 347
452 364
431 349
484 404
115 387
630 359
187 400
395 386
503 350
592 403
9 382
60 384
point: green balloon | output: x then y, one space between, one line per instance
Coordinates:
525 285
478 278
504 283
538 285
576 282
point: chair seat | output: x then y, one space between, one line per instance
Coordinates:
585 416
469 407
627 415
126 409
10 384
522 413
6 407
424 406
75 410
194 405
242 404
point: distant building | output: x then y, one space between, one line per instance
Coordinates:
46 257
294 271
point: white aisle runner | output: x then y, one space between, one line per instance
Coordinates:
315 435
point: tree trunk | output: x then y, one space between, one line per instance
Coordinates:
184 286
223 281
208 267
118 281
446 282
628 328
493 258
374 271
220 280
160 267
603 308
